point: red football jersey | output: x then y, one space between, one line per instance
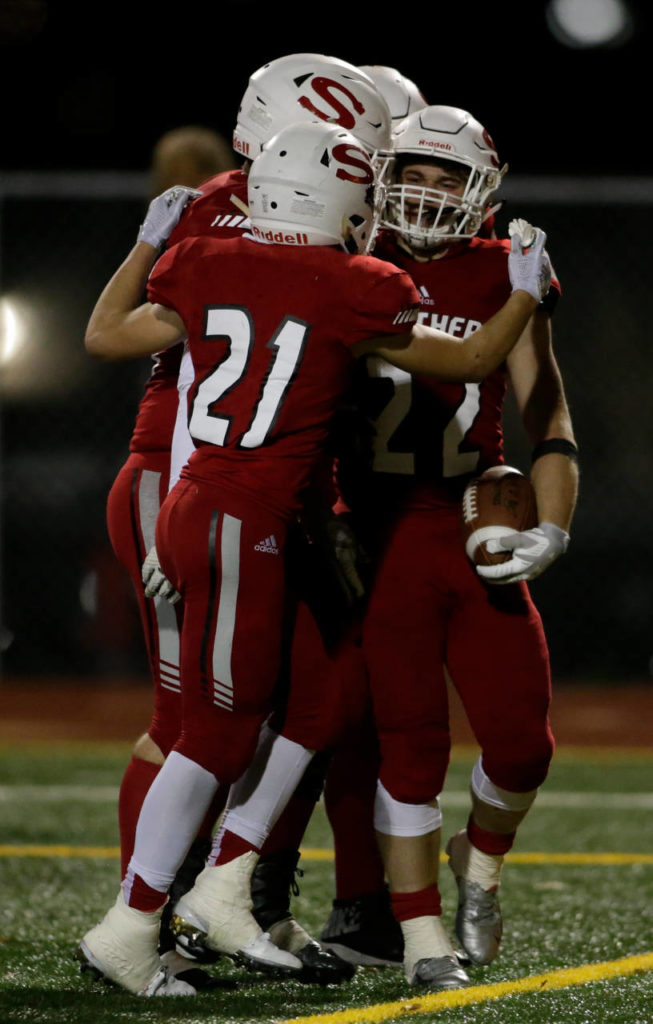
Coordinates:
269 329
217 212
432 436
157 410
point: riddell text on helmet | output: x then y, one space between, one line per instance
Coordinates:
434 144
299 238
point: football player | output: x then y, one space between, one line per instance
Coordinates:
430 610
292 88
273 320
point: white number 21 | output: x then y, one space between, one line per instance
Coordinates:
235 323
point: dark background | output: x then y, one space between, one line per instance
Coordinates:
92 89
93 86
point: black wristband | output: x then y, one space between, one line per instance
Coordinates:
560 445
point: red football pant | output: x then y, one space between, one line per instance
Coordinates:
224 554
429 607
133 505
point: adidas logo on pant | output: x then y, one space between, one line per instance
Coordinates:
269 545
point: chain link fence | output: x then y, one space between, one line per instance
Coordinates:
66 423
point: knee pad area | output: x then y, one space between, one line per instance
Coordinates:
395 818
224 746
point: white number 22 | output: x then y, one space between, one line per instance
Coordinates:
455 462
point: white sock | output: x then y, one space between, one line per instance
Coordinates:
483 868
171 814
424 937
257 800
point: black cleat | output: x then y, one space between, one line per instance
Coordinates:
364 931
272 883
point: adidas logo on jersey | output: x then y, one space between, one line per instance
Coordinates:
269 545
424 296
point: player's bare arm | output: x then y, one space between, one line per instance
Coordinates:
425 350
541 399
120 327
540 395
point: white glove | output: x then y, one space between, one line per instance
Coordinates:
347 552
532 552
529 265
163 214
156 584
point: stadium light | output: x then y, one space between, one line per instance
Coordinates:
12 332
583 24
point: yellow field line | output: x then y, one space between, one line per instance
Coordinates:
309 853
564 978
313 853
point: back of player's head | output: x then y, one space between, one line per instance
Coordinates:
188 155
313 184
310 86
452 138
400 93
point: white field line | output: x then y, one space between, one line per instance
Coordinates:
574 800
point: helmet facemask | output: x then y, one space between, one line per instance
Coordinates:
427 217
423 212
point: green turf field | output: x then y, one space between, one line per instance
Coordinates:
578 945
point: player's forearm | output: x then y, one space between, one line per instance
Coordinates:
441 355
488 347
106 336
555 480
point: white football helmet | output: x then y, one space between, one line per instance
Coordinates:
425 217
400 93
310 86
313 184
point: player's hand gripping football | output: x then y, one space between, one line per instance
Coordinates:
156 584
529 265
163 214
533 551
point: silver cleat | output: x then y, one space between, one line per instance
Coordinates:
478 919
437 973
479 925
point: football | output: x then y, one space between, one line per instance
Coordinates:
494 504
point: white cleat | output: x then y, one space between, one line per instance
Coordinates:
216 912
123 948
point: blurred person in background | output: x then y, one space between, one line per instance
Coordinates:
189 155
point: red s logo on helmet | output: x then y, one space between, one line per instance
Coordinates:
339 113
355 160
487 139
